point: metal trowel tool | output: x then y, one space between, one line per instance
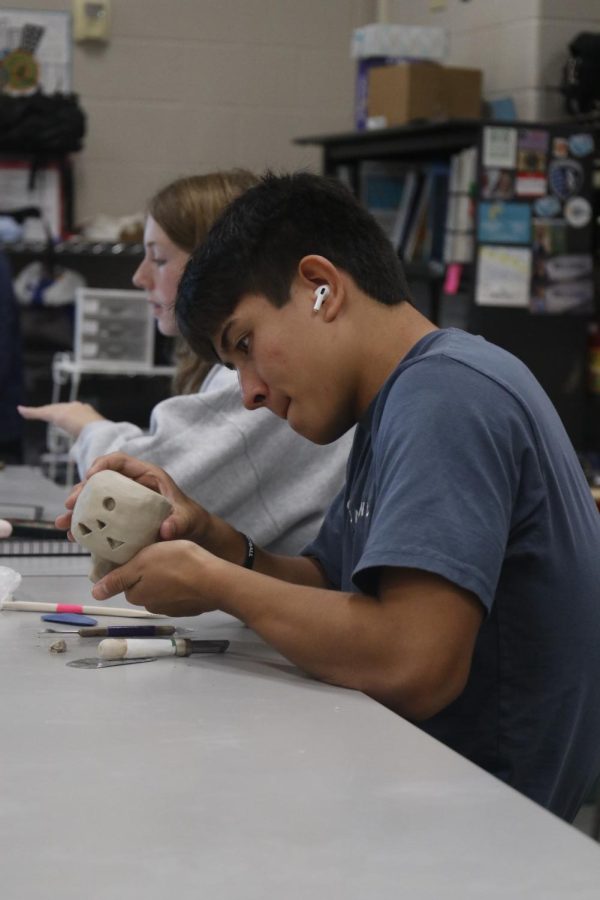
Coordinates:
92 662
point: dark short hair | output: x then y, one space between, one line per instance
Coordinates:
256 244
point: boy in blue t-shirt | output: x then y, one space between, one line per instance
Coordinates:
456 578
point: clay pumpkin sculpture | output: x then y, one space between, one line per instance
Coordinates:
114 518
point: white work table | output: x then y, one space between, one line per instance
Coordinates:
237 777
26 493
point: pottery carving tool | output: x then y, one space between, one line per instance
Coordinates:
99 610
69 619
117 631
123 648
95 663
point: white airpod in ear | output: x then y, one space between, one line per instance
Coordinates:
321 294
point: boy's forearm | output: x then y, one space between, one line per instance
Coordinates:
410 649
322 632
223 540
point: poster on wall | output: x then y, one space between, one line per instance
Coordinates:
35 51
532 162
503 276
501 223
535 228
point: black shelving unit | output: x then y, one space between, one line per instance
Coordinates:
102 264
425 141
419 141
48 330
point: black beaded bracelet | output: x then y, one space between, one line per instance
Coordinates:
250 552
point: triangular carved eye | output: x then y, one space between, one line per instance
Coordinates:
100 524
84 529
113 544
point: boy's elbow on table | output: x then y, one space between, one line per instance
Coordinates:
415 692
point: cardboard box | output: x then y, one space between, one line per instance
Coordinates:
401 93
361 94
384 45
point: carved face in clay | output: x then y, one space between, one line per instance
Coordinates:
114 517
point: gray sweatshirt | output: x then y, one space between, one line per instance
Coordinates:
248 467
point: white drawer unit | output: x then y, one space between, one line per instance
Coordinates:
114 336
114 330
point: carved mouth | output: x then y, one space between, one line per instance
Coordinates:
114 544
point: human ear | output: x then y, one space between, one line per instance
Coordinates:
321 281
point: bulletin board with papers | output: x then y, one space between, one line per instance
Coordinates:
534 228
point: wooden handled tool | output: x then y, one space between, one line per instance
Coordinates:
123 648
95 610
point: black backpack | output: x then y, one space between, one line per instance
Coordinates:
41 124
581 75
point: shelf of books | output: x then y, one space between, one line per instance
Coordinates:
426 209
417 180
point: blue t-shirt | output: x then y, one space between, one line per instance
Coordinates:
462 467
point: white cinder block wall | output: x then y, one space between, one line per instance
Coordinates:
187 86
520 45
191 85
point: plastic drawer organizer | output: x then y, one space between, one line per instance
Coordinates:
114 335
114 330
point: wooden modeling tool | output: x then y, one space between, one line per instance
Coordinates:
99 610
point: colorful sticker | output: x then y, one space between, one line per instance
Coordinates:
547 206
581 144
578 212
531 184
504 223
532 150
534 139
499 147
497 184
570 266
549 237
23 71
565 178
561 280
563 297
560 147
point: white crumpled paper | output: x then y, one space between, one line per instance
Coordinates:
9 582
